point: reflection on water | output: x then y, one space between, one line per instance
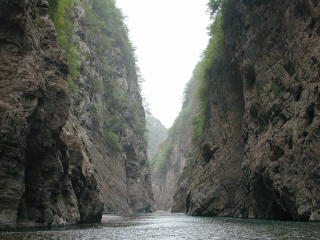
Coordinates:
176 227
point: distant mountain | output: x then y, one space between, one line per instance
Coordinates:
156 134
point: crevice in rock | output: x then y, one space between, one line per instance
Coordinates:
310 113
208 152
250 76
290 68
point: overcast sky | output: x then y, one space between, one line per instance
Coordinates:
170 36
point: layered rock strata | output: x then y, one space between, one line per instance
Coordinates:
174 157
66 153
42 184
279 54
259 156
156 134
107 108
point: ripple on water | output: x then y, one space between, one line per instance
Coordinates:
176 227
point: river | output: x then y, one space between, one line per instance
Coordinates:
175 227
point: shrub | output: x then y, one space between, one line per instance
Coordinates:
112 139
215 6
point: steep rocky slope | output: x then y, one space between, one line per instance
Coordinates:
217 167
156 134
172 156
278 54
41 183
216 184
258 149
106 107
71 117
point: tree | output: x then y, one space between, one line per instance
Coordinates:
215 6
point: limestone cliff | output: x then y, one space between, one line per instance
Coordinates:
259 155
71 117
173 155
41 181
278 53
156 134
106 107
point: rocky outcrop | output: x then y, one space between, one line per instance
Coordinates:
156 134
258 153
41 181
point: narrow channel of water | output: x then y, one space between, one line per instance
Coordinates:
175 227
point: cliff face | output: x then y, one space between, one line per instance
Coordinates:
40 181
258 153
172 156
106 108
217 167
156 134
71 117
281 50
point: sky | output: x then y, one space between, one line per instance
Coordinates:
169 36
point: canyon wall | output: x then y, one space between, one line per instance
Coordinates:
278 53
41 183
71 116
258 154
106 107
155 135
173 155
217 166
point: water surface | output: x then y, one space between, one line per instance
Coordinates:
175 227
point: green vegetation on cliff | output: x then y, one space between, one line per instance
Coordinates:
105 23
60 12
161 160
156 133
215 6
212 63
205 70
111 50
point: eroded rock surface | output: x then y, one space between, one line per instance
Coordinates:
281 120
64 154
156 134
41 183
107 109
259 157
174 158
217 167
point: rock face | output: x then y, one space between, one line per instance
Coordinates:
41 181
64 154
279 55
217 167
259 155
156 134
107 111
172 157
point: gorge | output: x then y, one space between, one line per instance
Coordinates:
76 143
